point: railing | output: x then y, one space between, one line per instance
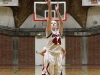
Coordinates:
41 31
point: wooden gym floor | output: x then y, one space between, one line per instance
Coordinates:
37 71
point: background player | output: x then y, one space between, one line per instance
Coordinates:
62 56
62 49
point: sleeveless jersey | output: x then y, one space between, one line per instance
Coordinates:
54 42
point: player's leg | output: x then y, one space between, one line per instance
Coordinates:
57 69
46 64
58 65
45 70
51 69
52 63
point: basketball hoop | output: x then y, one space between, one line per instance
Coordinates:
41 11
46 18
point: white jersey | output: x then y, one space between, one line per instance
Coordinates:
54 42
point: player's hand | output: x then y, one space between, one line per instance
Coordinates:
57 7
48 2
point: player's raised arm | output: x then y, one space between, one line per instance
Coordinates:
60 18
48 27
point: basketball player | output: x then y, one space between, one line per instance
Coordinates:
62 56
62 50
52 58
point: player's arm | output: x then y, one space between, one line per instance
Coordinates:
60 18
48 27
64 53
42 53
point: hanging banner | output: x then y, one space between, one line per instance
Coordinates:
8 2
90 2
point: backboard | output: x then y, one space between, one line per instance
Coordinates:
41 11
